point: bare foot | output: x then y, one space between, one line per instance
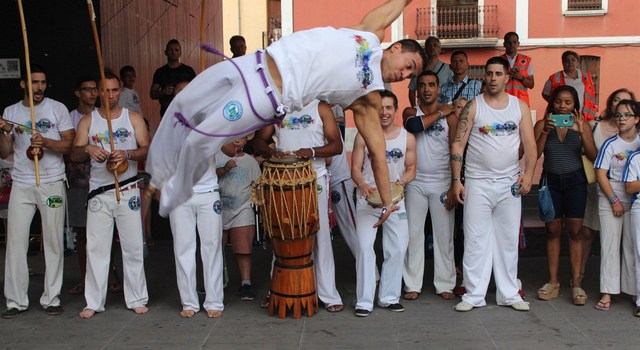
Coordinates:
187 313
141 310
87 313
214 313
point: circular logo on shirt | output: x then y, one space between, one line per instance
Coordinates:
335 196
232 111
319 189
95 204
217 207
54 202
135 203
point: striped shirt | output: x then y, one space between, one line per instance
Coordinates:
562 157
450 88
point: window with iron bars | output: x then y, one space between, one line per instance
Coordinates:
584 5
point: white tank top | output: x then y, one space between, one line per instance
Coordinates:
432 150
303 129
332 65
124 139
396 151
494 141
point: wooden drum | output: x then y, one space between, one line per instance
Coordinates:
397 194
288 200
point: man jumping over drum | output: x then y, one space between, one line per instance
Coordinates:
401 161
345 66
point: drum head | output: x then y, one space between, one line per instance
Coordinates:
288 160
397 193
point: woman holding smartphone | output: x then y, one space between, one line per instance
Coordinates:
617 271
566 180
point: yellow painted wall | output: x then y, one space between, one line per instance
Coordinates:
250 24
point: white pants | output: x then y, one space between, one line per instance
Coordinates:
395 238
324 265
101 212
345 211
635 235
421 199
199 211
614 231
216 102
50 200
491 228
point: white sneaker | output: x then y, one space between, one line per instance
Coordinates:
520 306
463 306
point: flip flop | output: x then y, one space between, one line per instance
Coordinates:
548 291
603 305
78 289
447 295
335 308
411 295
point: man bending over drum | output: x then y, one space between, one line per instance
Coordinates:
401 161
311 133
346 66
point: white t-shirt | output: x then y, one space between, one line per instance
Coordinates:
124 139
332 65
494 141
235 185
613 156
52 117
432 151
209 181
632 173
76 116
129 99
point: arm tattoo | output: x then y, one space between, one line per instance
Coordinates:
456 158
463 122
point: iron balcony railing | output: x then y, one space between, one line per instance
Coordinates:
584 5
457 22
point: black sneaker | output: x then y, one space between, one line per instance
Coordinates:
395 307
54 310
362 312
11 312
246 293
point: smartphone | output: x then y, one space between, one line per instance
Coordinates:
562 120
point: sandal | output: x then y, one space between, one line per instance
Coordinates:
411 295
265 302
578 296
603 305
548 291
115 287
335 308
447 295
78 289
637 312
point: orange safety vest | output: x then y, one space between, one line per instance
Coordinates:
590 108
515 87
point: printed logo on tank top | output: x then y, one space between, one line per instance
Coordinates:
394 155
121 135
363 55
42 126
435 129
622 156
497 129
296 123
